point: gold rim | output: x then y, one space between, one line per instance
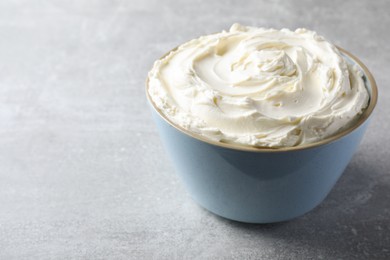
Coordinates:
366 114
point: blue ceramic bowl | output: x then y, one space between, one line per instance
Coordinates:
262 185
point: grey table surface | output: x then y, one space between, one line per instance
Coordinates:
83 174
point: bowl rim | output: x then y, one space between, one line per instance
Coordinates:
373 99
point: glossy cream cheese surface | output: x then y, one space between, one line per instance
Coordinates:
259 87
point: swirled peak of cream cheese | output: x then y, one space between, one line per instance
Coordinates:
259 87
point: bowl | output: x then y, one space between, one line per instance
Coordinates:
262 185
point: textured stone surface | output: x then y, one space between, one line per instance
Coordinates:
82 171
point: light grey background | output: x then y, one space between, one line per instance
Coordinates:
83 174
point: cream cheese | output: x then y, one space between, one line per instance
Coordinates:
259 87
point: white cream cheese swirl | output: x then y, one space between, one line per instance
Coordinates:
259 87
